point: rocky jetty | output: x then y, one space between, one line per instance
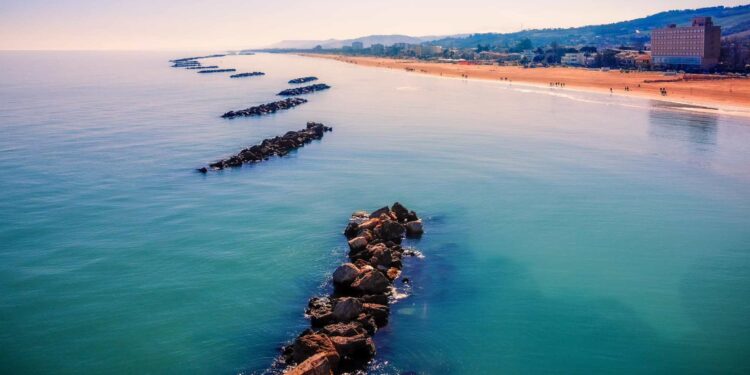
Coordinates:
266 109
188 62
186 59
251 74
343 324
277 146
203 67
303 80
217 70
304 90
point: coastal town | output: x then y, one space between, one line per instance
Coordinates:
697 48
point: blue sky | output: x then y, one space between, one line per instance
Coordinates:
223 24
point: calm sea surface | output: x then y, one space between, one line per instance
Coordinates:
566 232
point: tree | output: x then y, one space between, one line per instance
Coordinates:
522 45
606 58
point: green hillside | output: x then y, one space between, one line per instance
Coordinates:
733 20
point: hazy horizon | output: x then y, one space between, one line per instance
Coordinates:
236 24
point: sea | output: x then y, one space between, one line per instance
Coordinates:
565 232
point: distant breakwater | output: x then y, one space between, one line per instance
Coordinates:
202 67
217 71
265 109
188 62
251 74
342 324
303 80
277 146
185 59
304 90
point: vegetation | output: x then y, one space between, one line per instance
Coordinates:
634 32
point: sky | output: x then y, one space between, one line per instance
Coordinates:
235 24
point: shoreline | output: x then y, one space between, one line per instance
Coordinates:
726 96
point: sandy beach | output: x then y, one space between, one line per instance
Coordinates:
731 95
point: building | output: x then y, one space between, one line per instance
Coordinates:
696 46
576 59
428 50
357 46
377 49
633 59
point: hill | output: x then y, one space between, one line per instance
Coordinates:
733 20
366 41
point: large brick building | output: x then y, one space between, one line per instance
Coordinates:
697 46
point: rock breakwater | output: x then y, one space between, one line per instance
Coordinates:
251 74
304 90
277 146
303 80
217 70
187 62
343 324
265 109
203 67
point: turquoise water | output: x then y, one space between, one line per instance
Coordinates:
566 232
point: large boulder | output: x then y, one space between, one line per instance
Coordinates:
320 310
357 243
391 231
369 224
380 299
354 350
378 312
372 282
309 345
318 364
368 323
345 274
379 211
380 256
346 309
400 211
343 329
414 228
351 230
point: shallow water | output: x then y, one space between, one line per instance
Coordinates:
566 232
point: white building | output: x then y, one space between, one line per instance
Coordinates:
577 58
